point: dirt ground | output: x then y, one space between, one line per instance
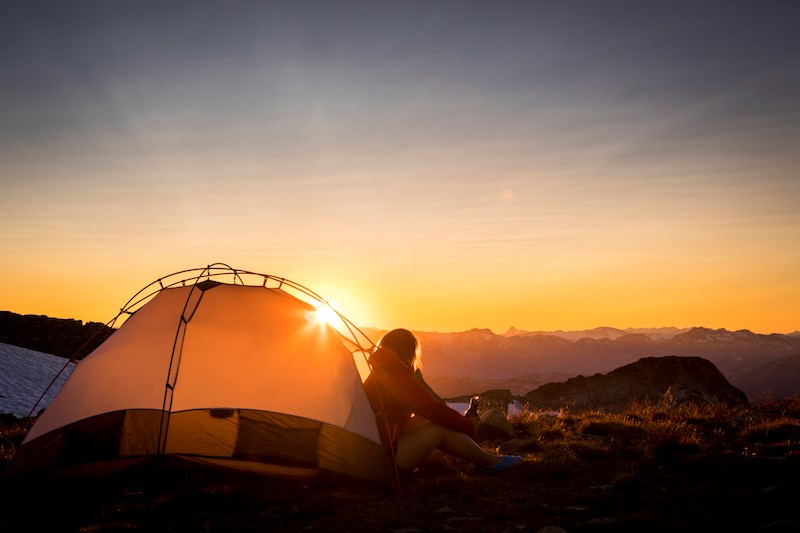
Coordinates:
686 492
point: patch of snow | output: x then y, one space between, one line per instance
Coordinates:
25 375
460 407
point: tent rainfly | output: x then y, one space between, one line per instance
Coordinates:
230 374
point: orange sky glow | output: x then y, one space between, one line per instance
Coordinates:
486 169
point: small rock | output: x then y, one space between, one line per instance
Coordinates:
552 529
602 521
780 526
453 519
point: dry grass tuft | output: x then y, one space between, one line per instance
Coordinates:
12 433
661 433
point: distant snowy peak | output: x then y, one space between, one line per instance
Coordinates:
600 333
596 333
701 334
604 333
657 334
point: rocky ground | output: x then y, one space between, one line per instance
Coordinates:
640 469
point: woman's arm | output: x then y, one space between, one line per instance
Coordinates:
399 382
419 379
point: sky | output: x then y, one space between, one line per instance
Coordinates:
438 166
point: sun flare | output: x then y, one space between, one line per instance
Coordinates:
328 313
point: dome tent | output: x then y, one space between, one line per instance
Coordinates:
221 366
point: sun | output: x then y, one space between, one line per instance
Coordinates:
327 313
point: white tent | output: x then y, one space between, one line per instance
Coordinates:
233 374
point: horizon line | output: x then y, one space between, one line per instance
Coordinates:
521 330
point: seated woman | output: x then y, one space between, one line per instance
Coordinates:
395 394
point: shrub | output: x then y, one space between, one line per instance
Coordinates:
772 431
12 433
624 432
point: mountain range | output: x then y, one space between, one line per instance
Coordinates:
464 362
477 360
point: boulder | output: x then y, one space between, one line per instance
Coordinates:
677 395
493 426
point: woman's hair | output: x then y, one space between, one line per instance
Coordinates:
405 345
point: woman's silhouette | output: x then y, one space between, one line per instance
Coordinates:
412 418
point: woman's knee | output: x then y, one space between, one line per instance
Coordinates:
415 445
425 431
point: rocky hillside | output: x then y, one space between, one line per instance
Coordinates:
670 378
57 336
776 379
